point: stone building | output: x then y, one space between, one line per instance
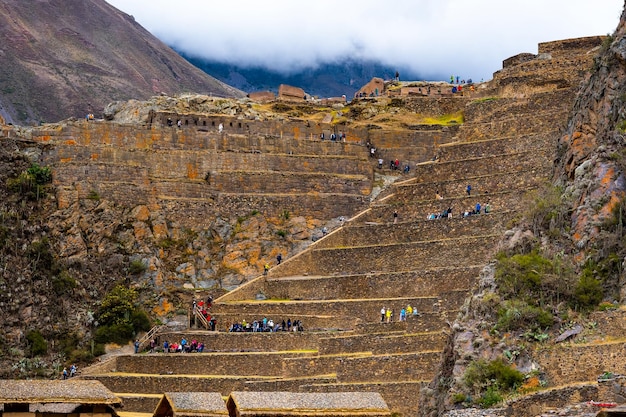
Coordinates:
57 399
191 404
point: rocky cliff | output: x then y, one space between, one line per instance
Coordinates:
70 58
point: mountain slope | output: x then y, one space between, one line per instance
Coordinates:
67 58
331 79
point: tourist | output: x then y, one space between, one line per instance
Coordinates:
468 189
395 216
382 314
477 208
279 258
380 163
136 346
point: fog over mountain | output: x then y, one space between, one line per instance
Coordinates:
432 38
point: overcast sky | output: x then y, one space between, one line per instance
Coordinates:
469 38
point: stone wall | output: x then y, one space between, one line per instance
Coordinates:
412 256
251 364
392 368
571 47
383 343
481 184
253 342
581 363
425 283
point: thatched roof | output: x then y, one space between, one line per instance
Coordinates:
309 404
191 404
71 391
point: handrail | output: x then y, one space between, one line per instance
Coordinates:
148 336
201 318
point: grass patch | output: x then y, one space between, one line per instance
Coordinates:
445 120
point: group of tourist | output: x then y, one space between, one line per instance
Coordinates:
447 213
71 373
334 137
267 325
179 347
387 315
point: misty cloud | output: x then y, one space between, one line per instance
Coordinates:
431 37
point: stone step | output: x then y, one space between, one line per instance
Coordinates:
381 343
288 384
390 367
513 180
347 312
507 202
220 341
531 161
495 146
428 283
154 384
219 363
521 124
311 322
316 205
425 322
316 365
376 227
386 258
289 182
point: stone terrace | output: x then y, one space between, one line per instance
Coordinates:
339 284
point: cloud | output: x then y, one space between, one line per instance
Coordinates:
430 37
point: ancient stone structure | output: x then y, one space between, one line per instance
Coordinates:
374 88
338 286
56 399
262 96
290 93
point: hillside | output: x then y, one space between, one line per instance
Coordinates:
326 80
70 58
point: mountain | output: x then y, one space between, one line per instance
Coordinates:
330 79
63 58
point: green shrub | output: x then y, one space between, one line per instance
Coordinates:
31 183
517 314
521 275
119 317
93 195
38 345
63 283
490 398
119 333
588 292
459 398
137 267
281 233
481 374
